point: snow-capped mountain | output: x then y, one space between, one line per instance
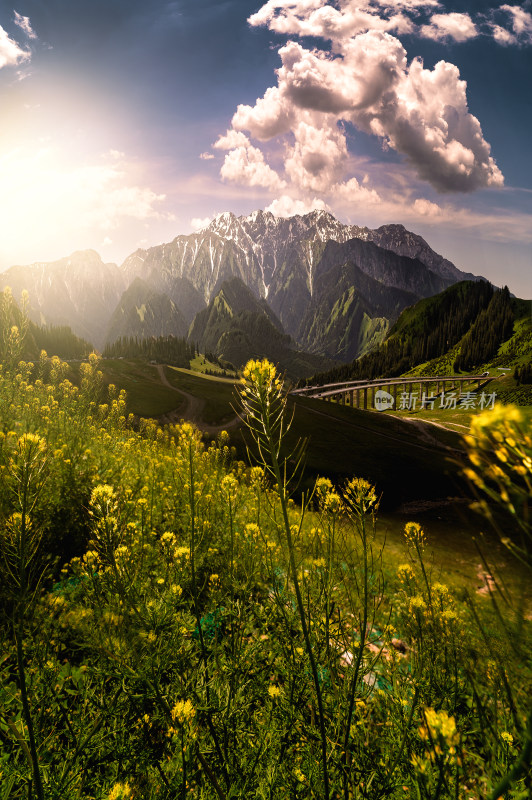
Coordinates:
291 263
277 258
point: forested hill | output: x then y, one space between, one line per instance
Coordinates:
474 314
163 349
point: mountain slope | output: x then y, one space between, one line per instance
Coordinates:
236 327
334 288
427 330
278 258
350 312
80 291
142 312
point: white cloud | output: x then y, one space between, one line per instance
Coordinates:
106 242
426 208
355 193
502 36
11 53
366 81
197 223
521 23
316 161
24 24
427 119
286 206
337 24
231 139
459 27
421 113
245 164
272 115
206 156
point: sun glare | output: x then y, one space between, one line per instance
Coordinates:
50 203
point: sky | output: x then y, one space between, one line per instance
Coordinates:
125 123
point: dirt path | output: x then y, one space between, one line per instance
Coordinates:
425 433
192 411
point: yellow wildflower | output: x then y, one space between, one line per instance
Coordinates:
183 711
405 572
120 791
414 534
417 603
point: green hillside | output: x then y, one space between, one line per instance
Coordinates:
406 461
469 327
143 312
236 326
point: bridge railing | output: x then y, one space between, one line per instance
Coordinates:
353 390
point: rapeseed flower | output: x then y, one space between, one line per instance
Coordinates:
183 711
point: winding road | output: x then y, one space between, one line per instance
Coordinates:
193 409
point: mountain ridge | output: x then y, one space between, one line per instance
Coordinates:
283 261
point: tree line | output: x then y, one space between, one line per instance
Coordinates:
173 350
493 325
523 373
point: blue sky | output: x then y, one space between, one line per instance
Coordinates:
125 123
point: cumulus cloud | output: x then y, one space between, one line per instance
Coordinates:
11 53
459 27
272 115
426 208
198 223
231 139
316 161
245 164
355 193
521 22
421 113
364 80
286 206
502 35
24 24
337 24
206 156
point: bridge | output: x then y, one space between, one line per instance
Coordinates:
354 392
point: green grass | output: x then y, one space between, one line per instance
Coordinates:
201 364
451 553
217 393
210 640
405 462
146 395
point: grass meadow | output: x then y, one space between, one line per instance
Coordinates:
174 625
